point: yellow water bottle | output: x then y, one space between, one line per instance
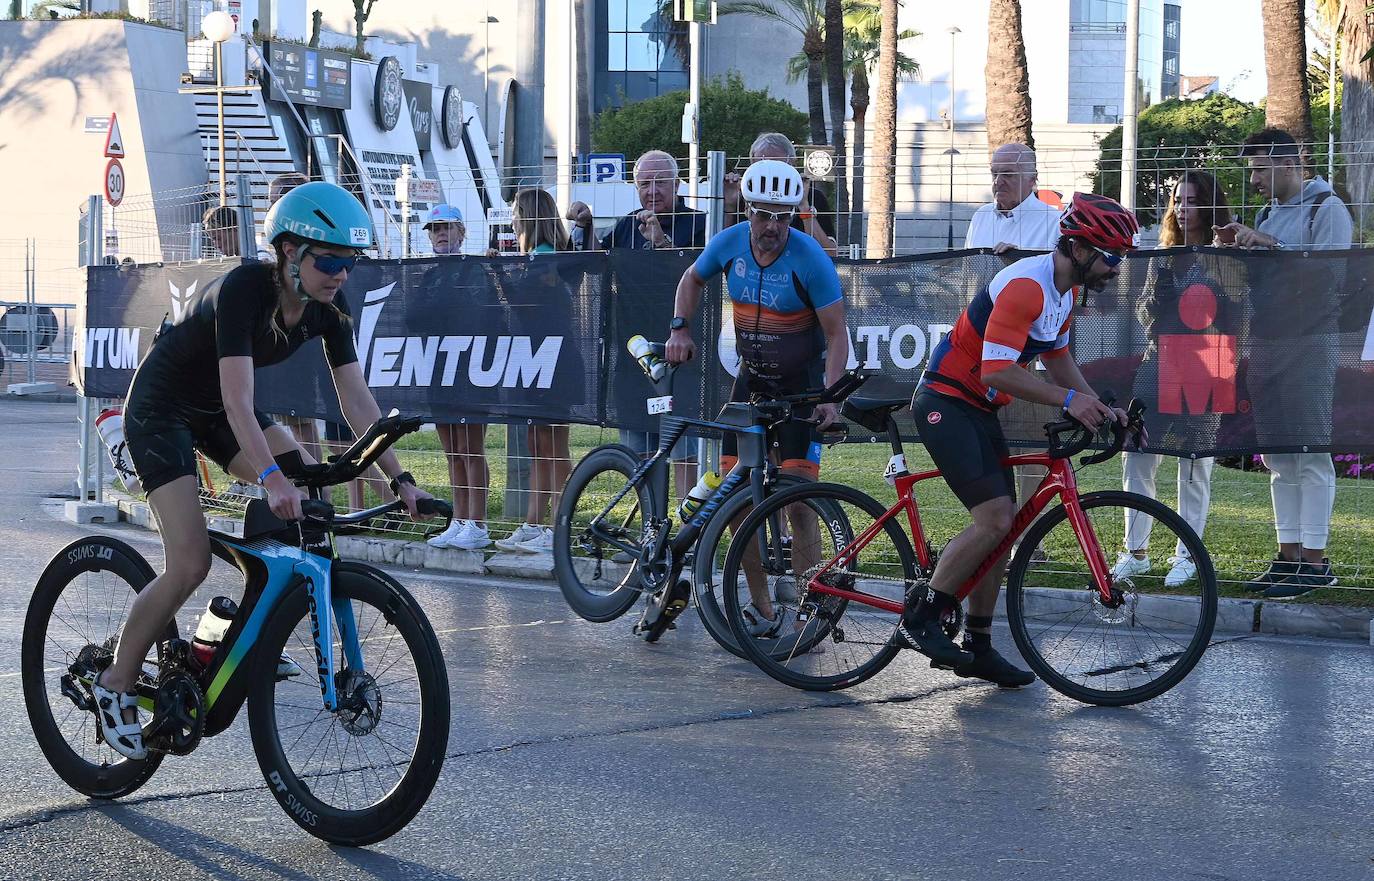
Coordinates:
697 496
653 365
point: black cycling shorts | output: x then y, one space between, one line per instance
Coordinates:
967 445
796 445
162 444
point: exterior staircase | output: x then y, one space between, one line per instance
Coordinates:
252 145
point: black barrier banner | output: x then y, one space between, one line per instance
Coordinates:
1232 352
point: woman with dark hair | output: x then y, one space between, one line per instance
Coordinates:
1179 296
194 391
538 230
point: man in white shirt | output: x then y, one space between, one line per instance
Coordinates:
1015 218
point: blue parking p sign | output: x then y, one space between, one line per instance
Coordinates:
605 167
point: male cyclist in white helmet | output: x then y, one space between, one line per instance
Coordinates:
789 322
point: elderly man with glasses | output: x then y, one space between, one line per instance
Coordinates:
1015 219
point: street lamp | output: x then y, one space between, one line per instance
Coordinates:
217 27
486 73
951 152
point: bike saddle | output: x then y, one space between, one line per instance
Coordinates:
872 413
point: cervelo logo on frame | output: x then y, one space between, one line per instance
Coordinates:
424 361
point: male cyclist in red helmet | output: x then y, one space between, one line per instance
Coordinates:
1022 314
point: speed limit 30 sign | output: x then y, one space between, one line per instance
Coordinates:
114 183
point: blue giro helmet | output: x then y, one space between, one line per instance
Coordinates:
320 212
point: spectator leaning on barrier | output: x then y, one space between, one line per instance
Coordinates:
1197 206
465 444
1293 355
1017 220
662 221
538 230
221 225
814 215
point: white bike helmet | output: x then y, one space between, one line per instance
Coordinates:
772 181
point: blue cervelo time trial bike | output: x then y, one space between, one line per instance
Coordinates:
351 753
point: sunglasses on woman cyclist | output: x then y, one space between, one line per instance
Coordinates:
332 264
775 216
1112 260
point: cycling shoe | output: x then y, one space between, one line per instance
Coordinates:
996 669
125 738
661 610
929 638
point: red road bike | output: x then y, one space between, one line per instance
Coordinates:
1097 638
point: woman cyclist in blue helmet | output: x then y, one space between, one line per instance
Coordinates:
194 391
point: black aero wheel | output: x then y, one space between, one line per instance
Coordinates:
709 563
358 775
598 532
824 642
1146 639
74 618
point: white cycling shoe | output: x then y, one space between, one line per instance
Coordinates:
286 667
125 738
756 625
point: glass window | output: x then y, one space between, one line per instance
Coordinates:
641 52
615 15
640 15
615 51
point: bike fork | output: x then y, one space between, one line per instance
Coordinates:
1091 548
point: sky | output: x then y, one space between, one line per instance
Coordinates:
1225 39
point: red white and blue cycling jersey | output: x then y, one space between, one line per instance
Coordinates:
1018 317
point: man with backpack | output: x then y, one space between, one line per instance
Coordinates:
1293 355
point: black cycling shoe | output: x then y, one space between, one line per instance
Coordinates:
995 669
929 638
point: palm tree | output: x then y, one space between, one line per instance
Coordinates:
1006 76
834 84
880 221
1357 94
806 17
862 28
1285 64
583 90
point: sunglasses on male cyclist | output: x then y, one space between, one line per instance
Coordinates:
331 264
1112 260
775 216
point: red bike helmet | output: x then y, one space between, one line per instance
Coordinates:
1101 221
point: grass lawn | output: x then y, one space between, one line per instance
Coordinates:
1239 534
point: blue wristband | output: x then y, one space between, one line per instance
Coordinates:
1067 399
264 475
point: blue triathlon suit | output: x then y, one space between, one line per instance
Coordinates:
781 345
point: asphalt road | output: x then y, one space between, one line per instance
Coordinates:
578 752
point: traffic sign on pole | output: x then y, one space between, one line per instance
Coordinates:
114 141
114 183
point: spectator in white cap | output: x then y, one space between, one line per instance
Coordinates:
444 223
465 444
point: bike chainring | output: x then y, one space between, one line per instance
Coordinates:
178 714
655 559
360 701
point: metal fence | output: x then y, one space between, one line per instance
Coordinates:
171 226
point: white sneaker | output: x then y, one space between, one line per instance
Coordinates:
286 667
540 544
473 538
446 538
524 533
1182 570
1128 564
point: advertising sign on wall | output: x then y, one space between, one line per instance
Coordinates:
302 75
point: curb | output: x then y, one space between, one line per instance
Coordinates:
1234 616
